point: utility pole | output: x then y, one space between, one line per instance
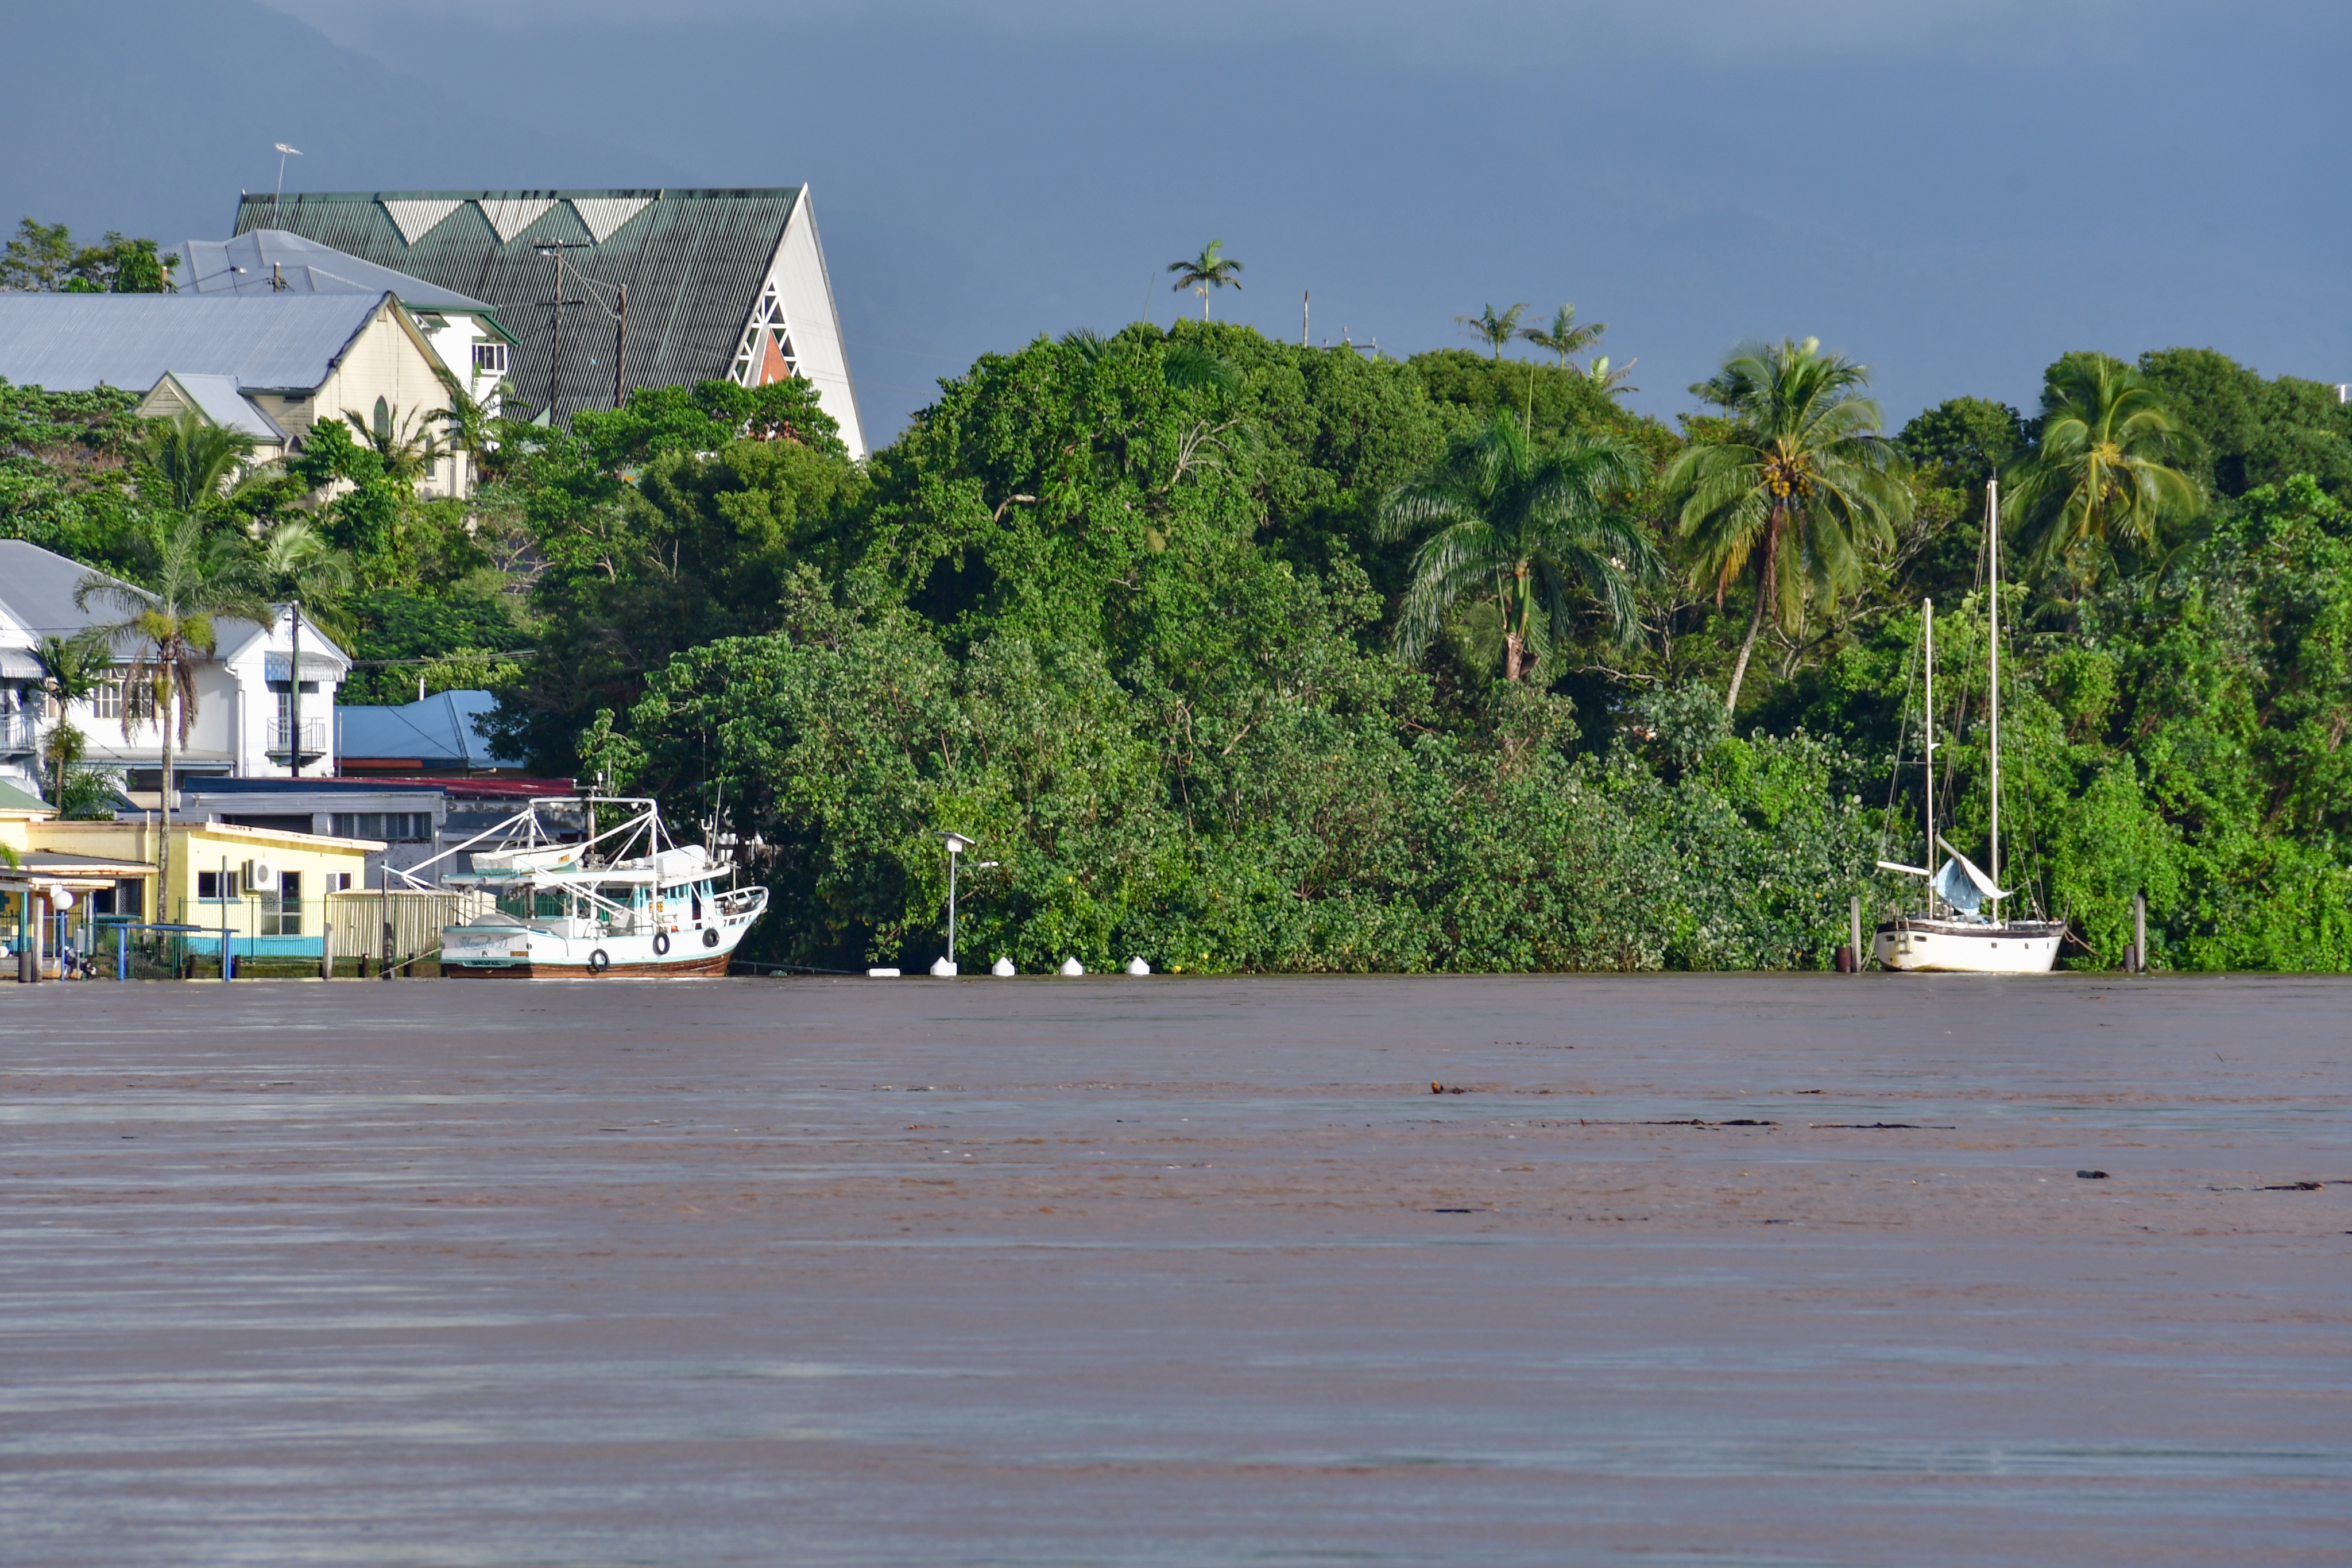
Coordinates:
294 697
621 347
556 247
1306 298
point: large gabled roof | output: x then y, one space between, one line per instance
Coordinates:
271 343
693 261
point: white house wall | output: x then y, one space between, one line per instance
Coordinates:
384 362
798 271
235 707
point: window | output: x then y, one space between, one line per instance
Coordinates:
282 911
108 699
491 359
210 883
339 882
765 353
395 827
383 419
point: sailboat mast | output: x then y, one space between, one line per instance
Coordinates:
1992 642
1927 751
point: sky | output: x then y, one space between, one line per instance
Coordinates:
1954 192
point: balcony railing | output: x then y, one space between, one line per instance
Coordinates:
313 738
18 733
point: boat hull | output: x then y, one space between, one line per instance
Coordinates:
523 952
534 969
1960 947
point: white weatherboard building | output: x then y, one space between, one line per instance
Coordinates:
474 346
243 727
672 286
271 364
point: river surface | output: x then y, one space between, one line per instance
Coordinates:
1720 1269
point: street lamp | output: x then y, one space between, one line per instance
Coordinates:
284 152
956 844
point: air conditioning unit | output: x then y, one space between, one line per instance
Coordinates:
260 876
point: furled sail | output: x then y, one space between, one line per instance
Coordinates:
1960 884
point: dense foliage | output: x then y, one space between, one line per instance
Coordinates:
1135 613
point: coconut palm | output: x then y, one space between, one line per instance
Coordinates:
1524 525
196 581
71 669
1564 336
295 562
1492 330
1212 268
2106 466
1792 489
190 462
1613 383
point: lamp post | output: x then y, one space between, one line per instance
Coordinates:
956 844
284 152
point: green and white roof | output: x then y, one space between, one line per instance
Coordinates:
722 284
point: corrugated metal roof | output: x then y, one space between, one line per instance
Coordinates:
268 342
36 591
693 261
441 731
244 265
218 398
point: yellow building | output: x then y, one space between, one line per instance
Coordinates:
266 887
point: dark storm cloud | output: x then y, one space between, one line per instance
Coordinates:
1954 193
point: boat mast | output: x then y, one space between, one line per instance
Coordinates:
1992 547
1927 751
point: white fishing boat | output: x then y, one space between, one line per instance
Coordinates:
1962 930
573 899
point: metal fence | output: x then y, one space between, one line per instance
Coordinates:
397 926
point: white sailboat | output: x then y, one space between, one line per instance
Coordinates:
1962 930
623 901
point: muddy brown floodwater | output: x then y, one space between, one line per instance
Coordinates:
1731 1269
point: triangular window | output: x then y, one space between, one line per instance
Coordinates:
766 353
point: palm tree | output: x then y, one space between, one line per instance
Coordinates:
1795 487
1212 268
295 562
2105 466
407 442
1610 382
190 461
71 669
1524 525
468 421
1492 330
196 581
1564 337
